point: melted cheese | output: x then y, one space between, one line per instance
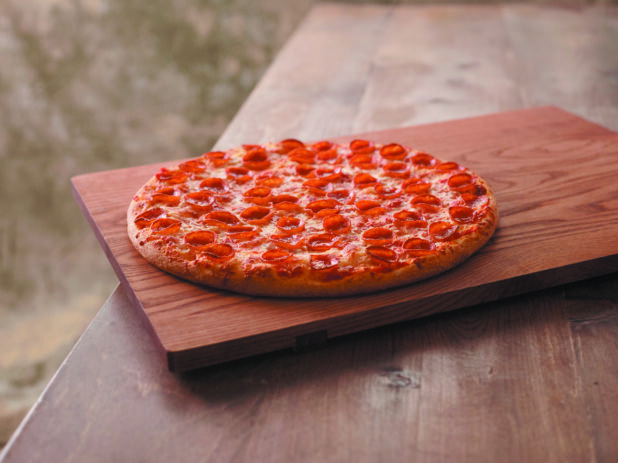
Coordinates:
351 250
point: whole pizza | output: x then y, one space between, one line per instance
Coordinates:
311 220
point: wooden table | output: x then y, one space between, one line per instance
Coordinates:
529 378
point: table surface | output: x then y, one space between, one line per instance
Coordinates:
529 378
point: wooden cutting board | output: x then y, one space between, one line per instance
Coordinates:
555 177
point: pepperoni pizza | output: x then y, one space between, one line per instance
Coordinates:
311 220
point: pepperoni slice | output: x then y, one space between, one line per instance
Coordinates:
418 247
479 190
364 180
165 226
323 145
426 199
378 236
338 177
369 207
238 174
256 158
322 242
168 190
285 197
214 184
397 169
460 181
328 156
243 232
362 146
271 182
343 195
320 204
302 156
424 160
287 145
363 161
200 201
289 242
474 200
304 170
414 244
146 218
223 217
217 158
258 194
166 197
386 192
275 255
256 214
172 177
194 166
336 223
381 253
200 238
461 214
218 251
418 188
410 219
290 225
393 151
257 165
464 184
289 207
447 166
329 174
325 212
427 203
443 231
323 261
317 183
415 186
314 192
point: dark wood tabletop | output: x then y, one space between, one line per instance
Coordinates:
533 377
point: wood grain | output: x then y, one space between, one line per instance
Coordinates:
592 310
395 66
497 382
532 249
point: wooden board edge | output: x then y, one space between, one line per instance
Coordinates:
136 303
591 127
285 339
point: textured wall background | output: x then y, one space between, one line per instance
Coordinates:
93 85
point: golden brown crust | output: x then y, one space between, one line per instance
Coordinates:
296 277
